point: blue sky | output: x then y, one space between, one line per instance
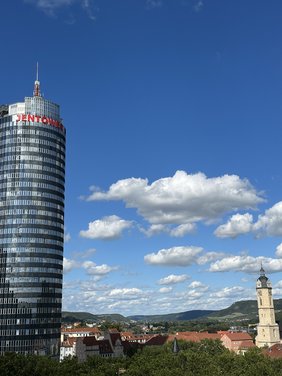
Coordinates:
173 115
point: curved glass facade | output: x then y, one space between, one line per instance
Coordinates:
32 171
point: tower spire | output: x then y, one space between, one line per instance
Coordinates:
36 91
262 271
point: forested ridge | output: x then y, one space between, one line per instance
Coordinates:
207 358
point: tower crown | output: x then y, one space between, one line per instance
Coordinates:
263 281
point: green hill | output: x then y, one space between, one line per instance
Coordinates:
86 316
182 316
241 310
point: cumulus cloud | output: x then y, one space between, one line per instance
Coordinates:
238 224
67 236
176 256
107 228
247 264
178 231
172 279
270 223
181 230
183 198
98 270
228 292
183 256
126 293
267 224
165 290
85 254
278 251
154 230
209 257
198 285
69 265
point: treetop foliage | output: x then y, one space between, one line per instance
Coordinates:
194 359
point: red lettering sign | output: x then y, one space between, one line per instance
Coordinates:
39 119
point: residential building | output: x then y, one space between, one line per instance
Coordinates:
68 348
79 332
238 342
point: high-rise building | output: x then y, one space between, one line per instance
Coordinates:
32 178
267 329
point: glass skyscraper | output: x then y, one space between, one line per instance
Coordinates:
32 178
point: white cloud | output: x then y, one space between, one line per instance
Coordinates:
67 237
182 230
247 264
165 290
172 279
99 270
267 224
84 254
51 7
178 231
238 224
107 228
209 257
278 251
271 222
183 198
69 265
228 292
176 256
154 230
126 293
198 285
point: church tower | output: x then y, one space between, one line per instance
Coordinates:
267 329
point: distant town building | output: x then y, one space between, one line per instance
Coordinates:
267 329
68 348
238 342
79 332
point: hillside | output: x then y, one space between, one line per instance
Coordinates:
86 316
241 310
182 316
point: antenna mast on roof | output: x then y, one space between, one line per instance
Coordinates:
36 91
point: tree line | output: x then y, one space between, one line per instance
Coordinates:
206 358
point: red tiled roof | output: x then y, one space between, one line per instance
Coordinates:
246 344
69 342
104 344
157 340
81 330
274 351
194 336
127 334
238 336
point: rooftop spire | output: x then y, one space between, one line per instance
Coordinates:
262 271
36 91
